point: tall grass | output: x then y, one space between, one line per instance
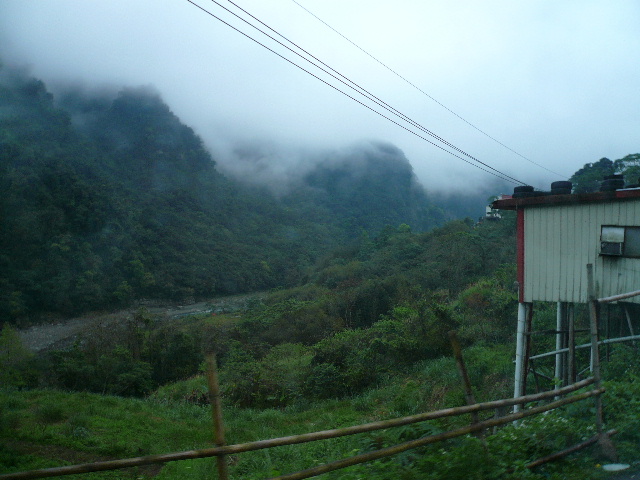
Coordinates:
45 428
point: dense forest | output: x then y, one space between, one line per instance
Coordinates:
111 199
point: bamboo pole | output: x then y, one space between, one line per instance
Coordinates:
588 345
386 452
290 440
216 413
622 296
567 451
462 369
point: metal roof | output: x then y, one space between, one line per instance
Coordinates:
575 198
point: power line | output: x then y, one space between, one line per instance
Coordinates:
362 91
425 93
499 174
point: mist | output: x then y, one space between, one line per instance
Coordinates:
553 82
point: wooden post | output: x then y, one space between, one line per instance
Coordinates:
607 448
216 412
466 383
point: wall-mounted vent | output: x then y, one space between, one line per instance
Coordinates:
620 241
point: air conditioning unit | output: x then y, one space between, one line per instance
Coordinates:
611 248
612 240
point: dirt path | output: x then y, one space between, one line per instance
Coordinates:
63 333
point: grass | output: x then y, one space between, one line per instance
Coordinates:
46 428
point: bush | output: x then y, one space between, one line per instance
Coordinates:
486 309
17 364
173 354
115 372
274 381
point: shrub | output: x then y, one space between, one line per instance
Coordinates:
276 380
486 309
17 363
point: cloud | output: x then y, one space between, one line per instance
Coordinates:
554 81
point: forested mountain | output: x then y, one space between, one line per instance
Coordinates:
368 187
111 198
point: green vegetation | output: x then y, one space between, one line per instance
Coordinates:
110 200
293 364
589 177
44 428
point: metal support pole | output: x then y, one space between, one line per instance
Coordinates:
604 441
571 344
630 324
560 327
518 389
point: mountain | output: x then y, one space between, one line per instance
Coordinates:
369 187
110 198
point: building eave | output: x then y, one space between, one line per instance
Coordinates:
576 198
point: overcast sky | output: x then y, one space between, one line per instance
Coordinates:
556 81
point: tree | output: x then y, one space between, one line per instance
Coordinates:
588 178
629 166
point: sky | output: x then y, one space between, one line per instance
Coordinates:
533 89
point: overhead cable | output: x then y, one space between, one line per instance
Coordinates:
426 94
495 172
354 86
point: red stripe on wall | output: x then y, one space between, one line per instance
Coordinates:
520 250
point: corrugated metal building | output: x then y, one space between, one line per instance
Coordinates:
558 236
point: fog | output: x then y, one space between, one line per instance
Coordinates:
555 82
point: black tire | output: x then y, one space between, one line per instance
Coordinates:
560 191
522 188
611 185
523 194
561 184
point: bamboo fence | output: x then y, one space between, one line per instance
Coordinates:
221 451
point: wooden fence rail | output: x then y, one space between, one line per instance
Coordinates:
335 433
476 427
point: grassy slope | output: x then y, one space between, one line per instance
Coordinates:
45 428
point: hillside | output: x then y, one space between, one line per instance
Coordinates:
109 199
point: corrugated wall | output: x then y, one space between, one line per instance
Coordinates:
559 241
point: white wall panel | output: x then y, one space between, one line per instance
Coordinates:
561 240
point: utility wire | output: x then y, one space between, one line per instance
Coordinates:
499 174
357 88
425 93
362 91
